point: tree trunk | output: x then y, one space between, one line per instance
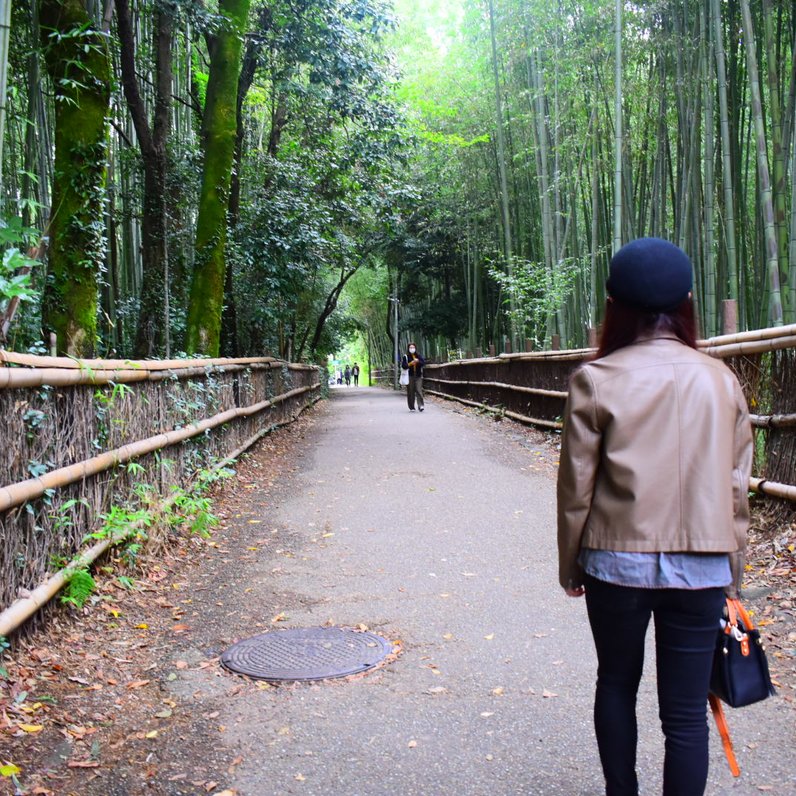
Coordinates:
79 66
766 202
152 334
219 129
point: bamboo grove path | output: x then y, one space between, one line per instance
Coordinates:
431 528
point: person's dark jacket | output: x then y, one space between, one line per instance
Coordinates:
417 370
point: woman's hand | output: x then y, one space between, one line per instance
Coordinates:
577 591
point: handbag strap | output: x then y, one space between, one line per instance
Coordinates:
724 732
745 618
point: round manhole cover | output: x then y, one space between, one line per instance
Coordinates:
312 653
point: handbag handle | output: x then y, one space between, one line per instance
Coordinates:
736 606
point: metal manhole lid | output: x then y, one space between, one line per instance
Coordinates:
306 653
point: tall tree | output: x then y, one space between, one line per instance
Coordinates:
78 62
152 336
219 131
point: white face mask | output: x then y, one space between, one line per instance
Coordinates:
412 349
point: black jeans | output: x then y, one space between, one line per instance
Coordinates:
686 624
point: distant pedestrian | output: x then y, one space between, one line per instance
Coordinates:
653 510
347 376
339 376
413 362
355 374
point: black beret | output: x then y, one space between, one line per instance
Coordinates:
651 274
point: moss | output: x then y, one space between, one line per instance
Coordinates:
219 128
78 62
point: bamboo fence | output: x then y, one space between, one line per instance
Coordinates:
81 436
532 388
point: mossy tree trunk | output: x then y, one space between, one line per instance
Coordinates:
152 335
78 61
219 131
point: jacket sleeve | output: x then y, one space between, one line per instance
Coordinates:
577 472
743 453
404 363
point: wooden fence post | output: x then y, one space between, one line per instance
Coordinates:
479 353
528 345
507 345
491 349
730 316
592 337
556 342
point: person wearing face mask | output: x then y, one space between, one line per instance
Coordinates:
413 362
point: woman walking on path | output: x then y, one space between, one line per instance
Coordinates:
413 362
653 510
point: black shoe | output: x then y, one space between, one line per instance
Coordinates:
411 409
422 408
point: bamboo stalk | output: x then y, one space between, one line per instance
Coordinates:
501 385
23 491
21 610
18 378
755 334
36 361
772 488
773 421
513 415
750 347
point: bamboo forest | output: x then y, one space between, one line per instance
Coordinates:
239 177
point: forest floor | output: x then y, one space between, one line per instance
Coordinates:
127 695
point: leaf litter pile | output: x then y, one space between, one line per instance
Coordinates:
125 695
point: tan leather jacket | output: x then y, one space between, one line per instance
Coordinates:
656 455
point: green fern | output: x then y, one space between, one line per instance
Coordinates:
80 587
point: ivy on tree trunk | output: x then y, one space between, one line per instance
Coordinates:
219 132
78 61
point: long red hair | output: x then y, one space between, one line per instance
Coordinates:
624 324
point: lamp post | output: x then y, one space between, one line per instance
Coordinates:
395 301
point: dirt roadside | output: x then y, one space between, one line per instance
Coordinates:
91 697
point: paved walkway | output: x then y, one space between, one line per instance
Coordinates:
433 529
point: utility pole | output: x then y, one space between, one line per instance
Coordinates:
395 301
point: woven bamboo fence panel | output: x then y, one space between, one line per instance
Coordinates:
53 426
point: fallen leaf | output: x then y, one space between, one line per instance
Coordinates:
412 744
486 714
179 628
83 764
498 691
9 770
548 694
31 728
489 637
151 734
300 778
137 684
